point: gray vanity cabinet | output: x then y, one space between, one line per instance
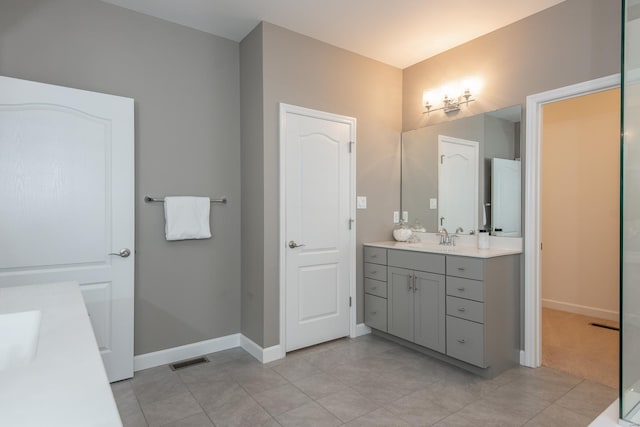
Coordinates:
464 310
375 288
416 299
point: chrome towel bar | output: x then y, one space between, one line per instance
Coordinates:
222 200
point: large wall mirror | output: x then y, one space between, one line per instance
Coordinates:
464 174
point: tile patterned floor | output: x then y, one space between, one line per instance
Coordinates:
366 381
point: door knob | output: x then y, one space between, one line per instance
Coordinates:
124 253
294 245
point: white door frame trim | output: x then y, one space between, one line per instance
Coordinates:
531 355
284 110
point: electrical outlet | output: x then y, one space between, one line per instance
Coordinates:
405 216
433 203
396 217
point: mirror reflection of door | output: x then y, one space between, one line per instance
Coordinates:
457 184
505 197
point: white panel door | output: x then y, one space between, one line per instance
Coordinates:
505 197
67 185
457 184
318 231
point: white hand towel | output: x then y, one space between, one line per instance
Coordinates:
187 217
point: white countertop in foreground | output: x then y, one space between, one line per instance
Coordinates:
65 385
461 250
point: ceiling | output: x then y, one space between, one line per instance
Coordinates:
399 33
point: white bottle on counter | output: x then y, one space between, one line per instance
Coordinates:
483 239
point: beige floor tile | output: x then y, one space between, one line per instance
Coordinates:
347 405
197 420
557 416
281 399
309 415
417 410
244 411
378 418
320 385
171 409
296 369
588 398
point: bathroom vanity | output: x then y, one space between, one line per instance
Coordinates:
60 379
459 304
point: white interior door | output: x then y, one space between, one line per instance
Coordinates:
505 197
457 184
318 231
67 185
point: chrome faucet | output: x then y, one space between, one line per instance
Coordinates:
444 236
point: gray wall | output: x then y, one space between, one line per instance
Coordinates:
575 41
186 87
302 71
253 224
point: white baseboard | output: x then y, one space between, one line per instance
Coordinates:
175 354
197 349
362 329
581 309
264 355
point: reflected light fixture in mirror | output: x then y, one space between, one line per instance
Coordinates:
452 95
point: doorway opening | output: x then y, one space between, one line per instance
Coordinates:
580 181
532 293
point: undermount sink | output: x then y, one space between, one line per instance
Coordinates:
18 338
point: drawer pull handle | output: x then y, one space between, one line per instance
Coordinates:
373 288
373 272
374 256
462 310
460 289
461 340
461 268
373 313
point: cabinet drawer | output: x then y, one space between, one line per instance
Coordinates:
465 341
375 287
432 263
375 255
375 312
375 271
469 268
466 309
465 288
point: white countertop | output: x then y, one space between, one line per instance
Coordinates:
460 250
66 384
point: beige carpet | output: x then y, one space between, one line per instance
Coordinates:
571 345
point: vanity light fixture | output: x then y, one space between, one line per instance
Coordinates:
451 96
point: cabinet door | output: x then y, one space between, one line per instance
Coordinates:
430 311
400 303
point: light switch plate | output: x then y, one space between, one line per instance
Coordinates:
396 217
361 202
405 216
433 203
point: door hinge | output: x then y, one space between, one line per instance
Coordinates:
351 146
349 301
540 245
442 159
351 221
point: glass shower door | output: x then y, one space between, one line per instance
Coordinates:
630 292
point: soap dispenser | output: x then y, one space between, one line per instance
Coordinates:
483 239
